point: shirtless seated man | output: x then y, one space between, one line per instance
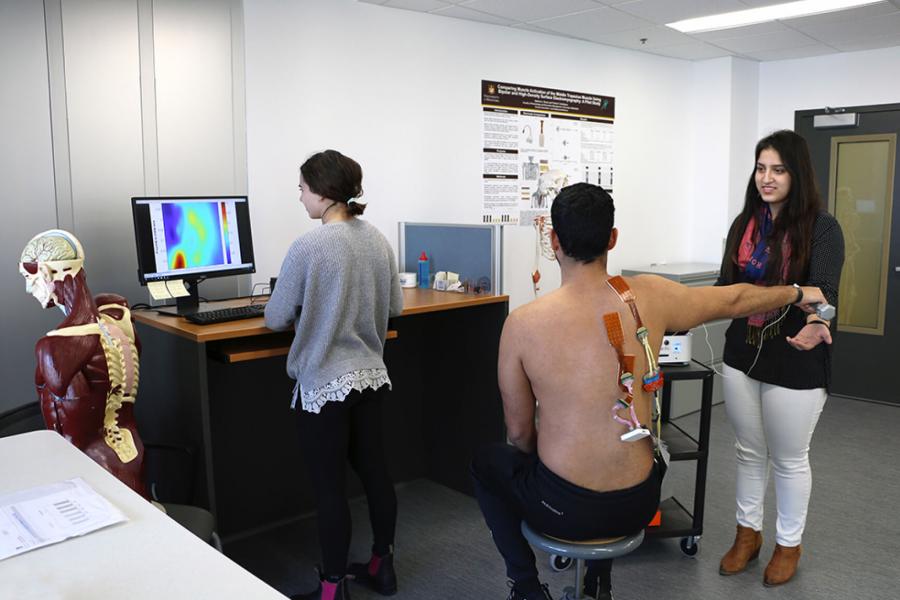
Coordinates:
573 477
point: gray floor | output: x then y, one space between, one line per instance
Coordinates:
851 545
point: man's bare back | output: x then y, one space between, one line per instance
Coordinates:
573 371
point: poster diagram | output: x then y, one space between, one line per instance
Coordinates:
535 141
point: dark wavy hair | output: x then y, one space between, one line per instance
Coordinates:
332 175
796 219
583 217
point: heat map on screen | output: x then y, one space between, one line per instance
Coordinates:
193 234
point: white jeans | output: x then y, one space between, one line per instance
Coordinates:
772 424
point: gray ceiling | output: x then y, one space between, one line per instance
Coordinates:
625 23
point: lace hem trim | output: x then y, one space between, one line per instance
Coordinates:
337 389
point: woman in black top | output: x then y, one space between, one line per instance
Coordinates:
778 364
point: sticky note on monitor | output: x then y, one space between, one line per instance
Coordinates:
158 290
177 289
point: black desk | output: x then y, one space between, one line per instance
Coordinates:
222 390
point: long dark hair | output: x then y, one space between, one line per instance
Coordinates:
796 219
332 175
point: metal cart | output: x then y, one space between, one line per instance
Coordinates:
677 520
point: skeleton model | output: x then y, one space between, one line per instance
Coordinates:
87 368
549 185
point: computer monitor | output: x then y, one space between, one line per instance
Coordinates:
192 238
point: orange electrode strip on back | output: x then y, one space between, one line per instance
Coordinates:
628 363
616 337
614 332
627 296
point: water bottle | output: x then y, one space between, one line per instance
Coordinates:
424 271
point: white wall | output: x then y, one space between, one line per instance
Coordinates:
399 92
708 156
745 109
721 153
852 79
27 197
104 100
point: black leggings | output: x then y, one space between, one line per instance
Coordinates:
341 430
512 486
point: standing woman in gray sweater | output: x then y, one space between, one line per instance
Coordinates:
337 287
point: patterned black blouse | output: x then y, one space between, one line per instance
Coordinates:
779 363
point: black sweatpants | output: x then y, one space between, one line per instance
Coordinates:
512 486
341 430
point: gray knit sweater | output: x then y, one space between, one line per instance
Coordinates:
344 277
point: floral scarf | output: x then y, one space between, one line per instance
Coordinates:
753 256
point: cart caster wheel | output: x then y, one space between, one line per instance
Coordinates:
690 545
560 563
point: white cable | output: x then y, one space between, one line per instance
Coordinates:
762 338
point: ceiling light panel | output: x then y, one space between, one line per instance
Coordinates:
762 14
727 34
662 12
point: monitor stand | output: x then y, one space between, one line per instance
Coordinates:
186 305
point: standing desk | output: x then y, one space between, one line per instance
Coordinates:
147 557
222 390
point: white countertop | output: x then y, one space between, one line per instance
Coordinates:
149 557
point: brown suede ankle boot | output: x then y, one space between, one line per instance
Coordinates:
745 548
783 565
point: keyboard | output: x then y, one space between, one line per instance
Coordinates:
221 315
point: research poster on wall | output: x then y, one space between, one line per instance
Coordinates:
537 140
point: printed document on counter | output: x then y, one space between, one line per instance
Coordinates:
52 513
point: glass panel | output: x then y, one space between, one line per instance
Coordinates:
861 194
